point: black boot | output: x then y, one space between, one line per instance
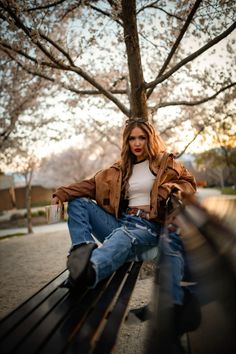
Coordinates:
78 265
142 313
187 317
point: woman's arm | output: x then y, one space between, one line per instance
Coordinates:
85 188
184 182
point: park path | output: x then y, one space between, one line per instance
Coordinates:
39 229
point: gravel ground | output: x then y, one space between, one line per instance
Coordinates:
29 262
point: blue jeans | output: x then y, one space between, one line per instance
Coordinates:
129 238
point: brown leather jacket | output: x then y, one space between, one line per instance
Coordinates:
105 186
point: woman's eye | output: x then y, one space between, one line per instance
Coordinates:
132 138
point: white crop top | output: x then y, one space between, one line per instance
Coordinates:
140 184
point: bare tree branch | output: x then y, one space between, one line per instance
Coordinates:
63 85
206 124
193 103
41 52
100 88
28 32
26 55
190 142
105 13
191 57
14 113
154 6
62 66
18 51
53 4
103 134
59 48
177 42
28 70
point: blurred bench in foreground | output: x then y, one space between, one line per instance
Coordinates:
209 236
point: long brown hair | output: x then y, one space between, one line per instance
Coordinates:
154 146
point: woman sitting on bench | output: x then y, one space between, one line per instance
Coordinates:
122 207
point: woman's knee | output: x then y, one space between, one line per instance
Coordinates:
77 203
121 236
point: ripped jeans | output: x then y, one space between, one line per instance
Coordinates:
129 238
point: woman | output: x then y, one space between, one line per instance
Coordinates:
122 207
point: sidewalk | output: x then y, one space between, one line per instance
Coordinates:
203 193
40 229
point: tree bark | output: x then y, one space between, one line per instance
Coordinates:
138 98
28 201
28 207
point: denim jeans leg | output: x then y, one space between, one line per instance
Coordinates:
123 245
86 218
146 237
114 252
174 256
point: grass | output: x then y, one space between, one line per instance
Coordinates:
12 235
40 204
228 190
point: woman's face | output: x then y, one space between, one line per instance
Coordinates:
137 143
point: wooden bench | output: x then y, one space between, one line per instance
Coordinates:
56 320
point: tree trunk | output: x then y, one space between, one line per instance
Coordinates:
28 208
138 98
28 178
221 176
228 162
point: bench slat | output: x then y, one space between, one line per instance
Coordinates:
15 317
32 322
56 320
51 321
61 335
108 337
82 339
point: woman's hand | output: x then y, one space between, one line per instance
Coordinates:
55 211
56 200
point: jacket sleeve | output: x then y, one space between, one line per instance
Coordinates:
183 182
85 188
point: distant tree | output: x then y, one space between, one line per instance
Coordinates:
25 165
17 95
217 169
25 115
226 138
219 133
74 164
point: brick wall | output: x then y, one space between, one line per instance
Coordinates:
39 195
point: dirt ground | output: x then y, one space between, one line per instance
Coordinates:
29 262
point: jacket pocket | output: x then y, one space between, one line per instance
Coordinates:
106 201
